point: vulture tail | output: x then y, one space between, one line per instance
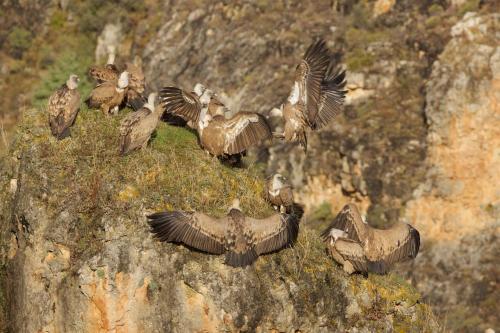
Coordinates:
241 259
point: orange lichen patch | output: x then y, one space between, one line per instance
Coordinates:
382 6
128 193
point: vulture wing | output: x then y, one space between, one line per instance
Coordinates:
126 126
181 103
309 76
134 99
137 80
331 99
101 94
400 250
353 252
348 220
275 232
194 229
244 130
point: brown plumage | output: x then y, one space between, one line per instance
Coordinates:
278 191
220 136
359 247
136 128
106 73
317 94
63 107
108 96
240 237
189 105
137 84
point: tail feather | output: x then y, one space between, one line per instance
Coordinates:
241 259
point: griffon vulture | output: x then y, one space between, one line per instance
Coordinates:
63 107
278 191
361 248
106 73
240 237
316 97
109 95
136 128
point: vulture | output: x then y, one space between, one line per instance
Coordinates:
136 128
188 106
106 73
278 191
241 238
220 136
63 107
137 84
109 95
316 96
359 247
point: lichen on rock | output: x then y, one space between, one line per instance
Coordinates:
83 260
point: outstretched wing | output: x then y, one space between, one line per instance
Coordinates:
309 76
274 233
401 250
194 229
244 130
348 220
181 103
331 99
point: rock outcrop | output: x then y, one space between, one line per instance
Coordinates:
457 209
77 255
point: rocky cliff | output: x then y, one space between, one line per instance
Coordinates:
78 256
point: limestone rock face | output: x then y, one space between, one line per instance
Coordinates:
77 255
457 209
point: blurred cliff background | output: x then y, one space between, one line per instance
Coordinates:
419 140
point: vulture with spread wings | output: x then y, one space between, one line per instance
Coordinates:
241 238
220 136
359 247
63 107
317 94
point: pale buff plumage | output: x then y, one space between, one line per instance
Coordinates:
108 96
359 247
136 128
278 192
63 107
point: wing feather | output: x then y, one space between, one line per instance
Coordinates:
244 130
275 232
181 103
309 76
194 229
331 99
353 252
348 220
406 249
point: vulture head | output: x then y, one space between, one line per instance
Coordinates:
203 93
235 204
150 104
278 182
123 80
72 82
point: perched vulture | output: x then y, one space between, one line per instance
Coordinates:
137 84
63 107
361 248
189 105
220 136
106 73
240 237
136 128
317 94
109 95
278 191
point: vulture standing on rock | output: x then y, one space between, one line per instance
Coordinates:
220 136
109 95
317 94
278 191
63 107
361 248
240 237
136 128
